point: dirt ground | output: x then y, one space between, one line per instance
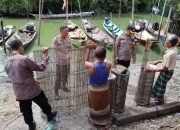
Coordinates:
12 119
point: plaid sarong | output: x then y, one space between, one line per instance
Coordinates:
159 88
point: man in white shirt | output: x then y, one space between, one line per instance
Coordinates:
166 71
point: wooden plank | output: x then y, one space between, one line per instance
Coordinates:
134 114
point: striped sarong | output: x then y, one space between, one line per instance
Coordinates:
99 104
159 88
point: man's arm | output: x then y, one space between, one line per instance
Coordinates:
89 66
163 69
116 47
34 66
157 62
133 54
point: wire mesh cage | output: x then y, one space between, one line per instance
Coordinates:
145 85
145 82
68 78
112 81
119 91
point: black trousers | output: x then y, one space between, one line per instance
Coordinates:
124 63
26 107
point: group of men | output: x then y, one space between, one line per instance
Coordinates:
20 69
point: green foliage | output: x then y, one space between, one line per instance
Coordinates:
177 10
16 7
20 7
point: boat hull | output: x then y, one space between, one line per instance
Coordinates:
112 29
55 16
24 35
97 35
8 29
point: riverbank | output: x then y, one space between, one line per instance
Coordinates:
11 118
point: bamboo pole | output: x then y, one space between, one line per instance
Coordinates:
160 26
2 28
40 13
114 38
119 9
168 22
133 12
80 10
67 11
27 4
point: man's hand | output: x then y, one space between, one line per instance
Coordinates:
90 45
134 61
157 62
45 50
37 82
148 70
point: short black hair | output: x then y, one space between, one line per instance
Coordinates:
100 52
15 44
62 28
173 39
130 27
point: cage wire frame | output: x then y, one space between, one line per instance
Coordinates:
77 81
146 80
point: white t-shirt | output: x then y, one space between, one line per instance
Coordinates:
169 58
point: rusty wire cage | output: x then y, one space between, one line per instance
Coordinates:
119 91
145 85
145 82
77 82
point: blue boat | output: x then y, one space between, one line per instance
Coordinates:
111 28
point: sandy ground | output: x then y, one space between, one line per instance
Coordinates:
12 119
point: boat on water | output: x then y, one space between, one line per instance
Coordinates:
76 34
152 28
55 16
111 28
8 29
143 36
26 34
97 34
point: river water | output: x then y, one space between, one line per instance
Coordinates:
50 29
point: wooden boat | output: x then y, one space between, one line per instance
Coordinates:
143 36
111 28
96 34
26 34
152 28
142 24
161 35
55 16
7 32
76 34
